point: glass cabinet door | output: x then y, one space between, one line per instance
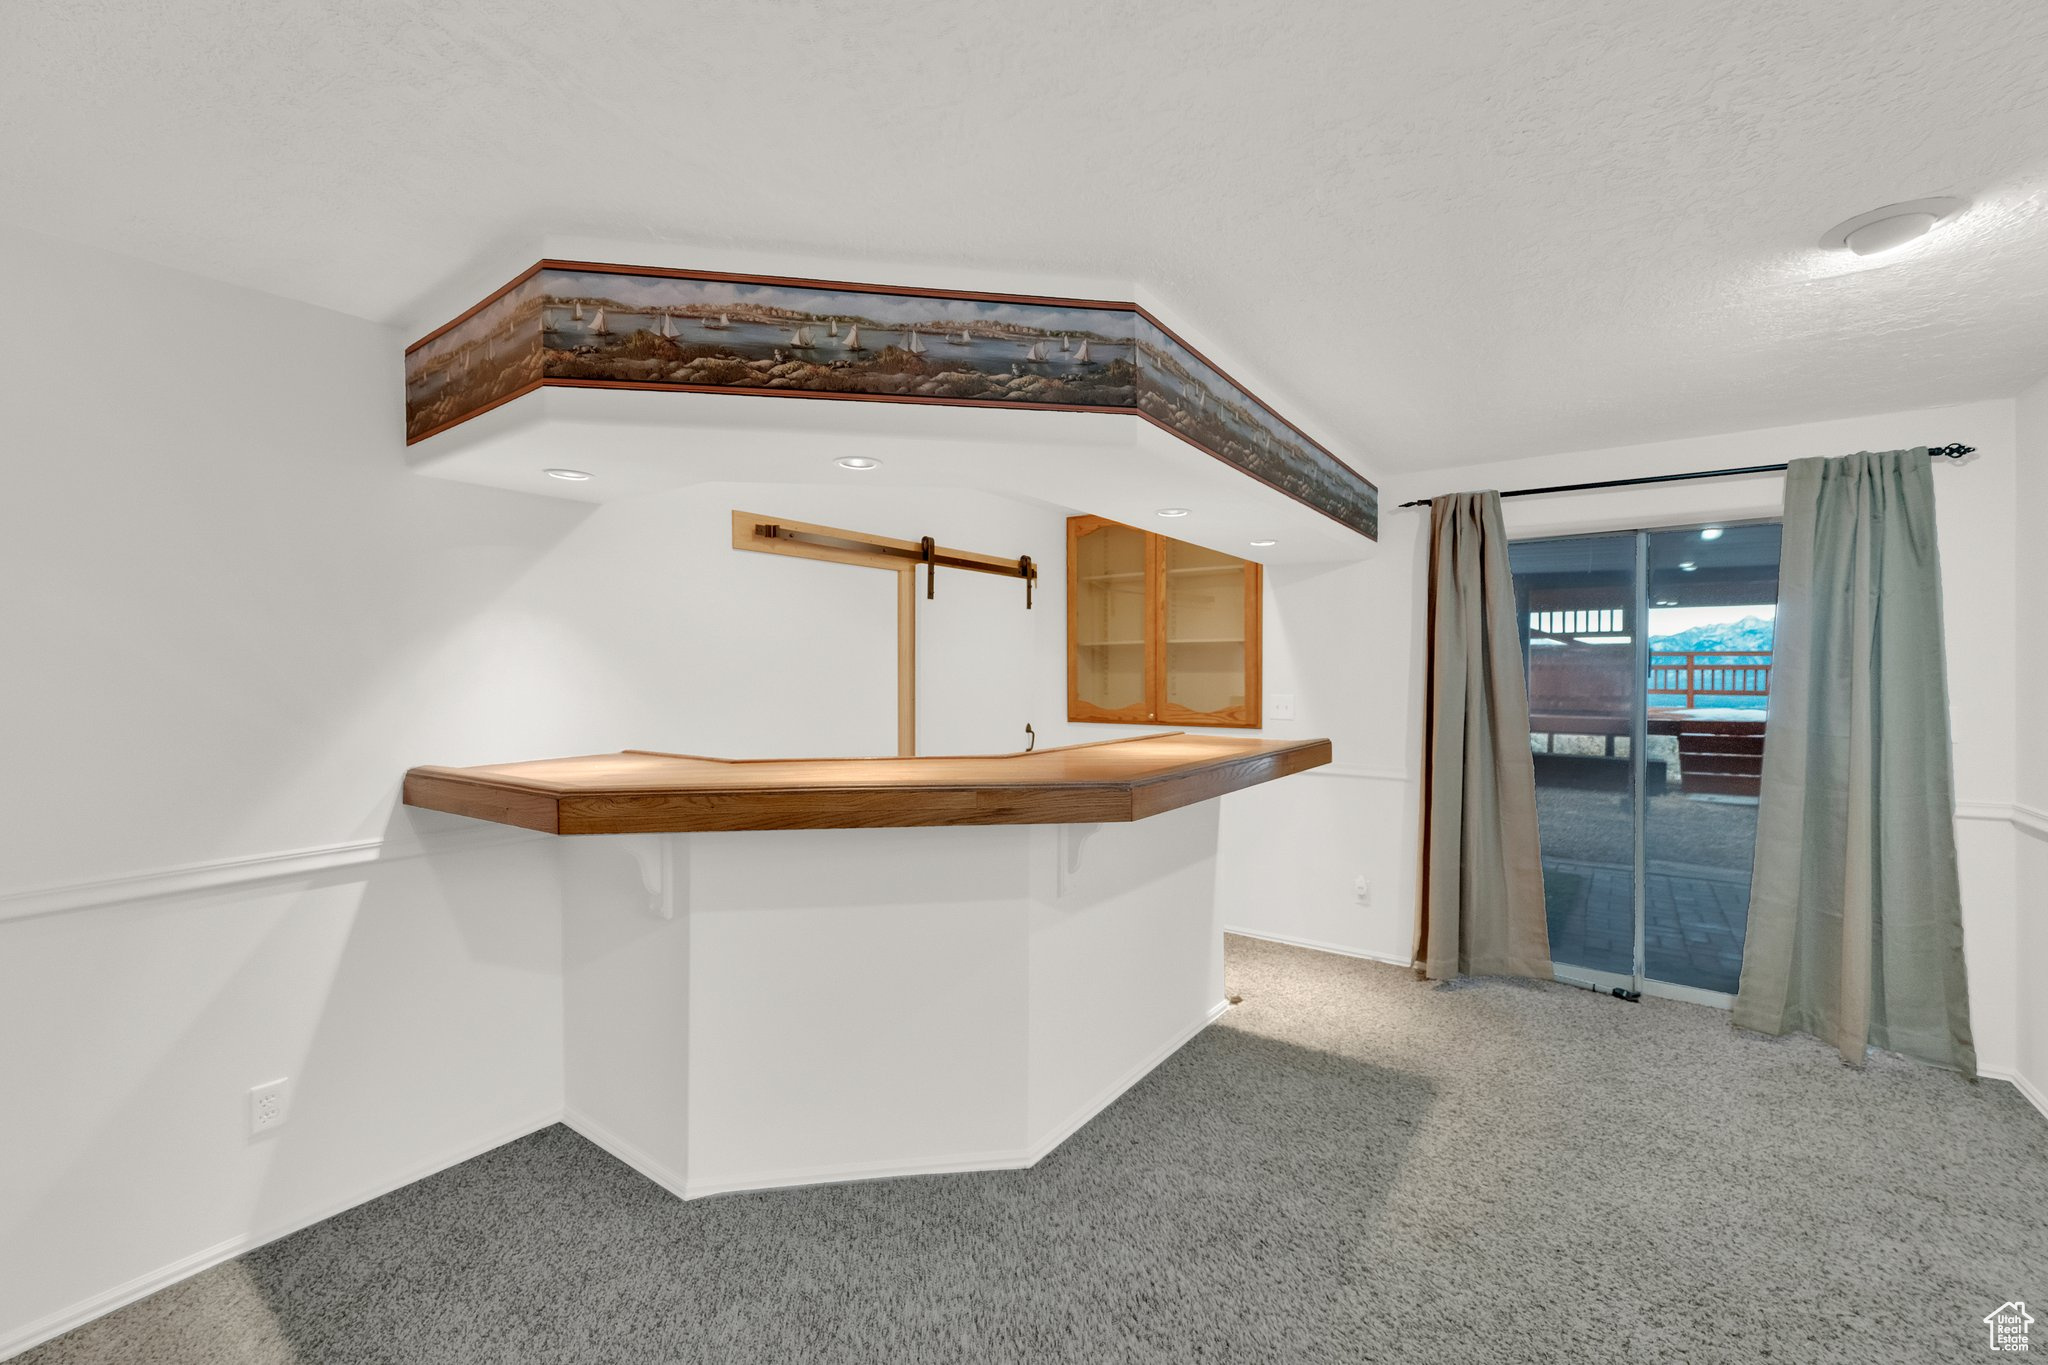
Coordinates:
1109 624
1209 645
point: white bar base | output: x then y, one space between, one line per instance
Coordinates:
831 1005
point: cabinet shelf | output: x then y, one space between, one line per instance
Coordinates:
1138 671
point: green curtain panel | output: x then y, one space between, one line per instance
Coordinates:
1855 918
1481 910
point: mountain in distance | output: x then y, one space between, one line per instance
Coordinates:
1751 633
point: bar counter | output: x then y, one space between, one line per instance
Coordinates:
642 792
790 971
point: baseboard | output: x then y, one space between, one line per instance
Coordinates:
859 1170
142 1286
633 1156
2033 1094
1011 1160
1319 946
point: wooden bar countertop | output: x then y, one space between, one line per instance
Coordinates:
640 792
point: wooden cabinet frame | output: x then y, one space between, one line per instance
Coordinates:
1154 708
837 545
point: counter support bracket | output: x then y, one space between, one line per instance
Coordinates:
1073 840
662 862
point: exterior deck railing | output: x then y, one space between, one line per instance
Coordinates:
1710 673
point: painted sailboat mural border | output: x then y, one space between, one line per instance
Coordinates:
585 324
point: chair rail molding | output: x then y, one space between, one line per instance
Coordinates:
1358 773
2027 819
187 879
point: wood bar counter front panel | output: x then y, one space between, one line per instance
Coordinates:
649 793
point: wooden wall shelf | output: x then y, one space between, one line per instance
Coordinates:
639 792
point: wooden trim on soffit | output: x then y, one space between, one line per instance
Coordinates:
1365 521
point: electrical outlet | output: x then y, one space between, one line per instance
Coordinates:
1362 889
269 1104
1280 706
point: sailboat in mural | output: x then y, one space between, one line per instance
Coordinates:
962 340
834 329
1063 343
916 343
577 316
1036 355
597 325
853 342
800 339
547 320
1081 356
668 325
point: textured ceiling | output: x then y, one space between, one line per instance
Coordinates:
1439 231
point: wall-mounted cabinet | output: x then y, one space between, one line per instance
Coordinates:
1159 631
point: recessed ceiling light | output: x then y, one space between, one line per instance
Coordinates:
856 462
572 475
1688 566
1173 511
1262 544
1892 226
1711 533
1667 602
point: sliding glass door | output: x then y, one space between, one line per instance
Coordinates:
1577 601
1649 664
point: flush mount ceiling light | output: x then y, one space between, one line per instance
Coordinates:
1711 533
1173 511
1687 567
1262 544
572 475
856 462
1890 227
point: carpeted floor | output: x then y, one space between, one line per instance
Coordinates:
1351 1166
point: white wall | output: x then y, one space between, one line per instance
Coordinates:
232 621
1291 876
707 649
236 620
1338 641
2030 875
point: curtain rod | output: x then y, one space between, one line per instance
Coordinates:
1952 451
